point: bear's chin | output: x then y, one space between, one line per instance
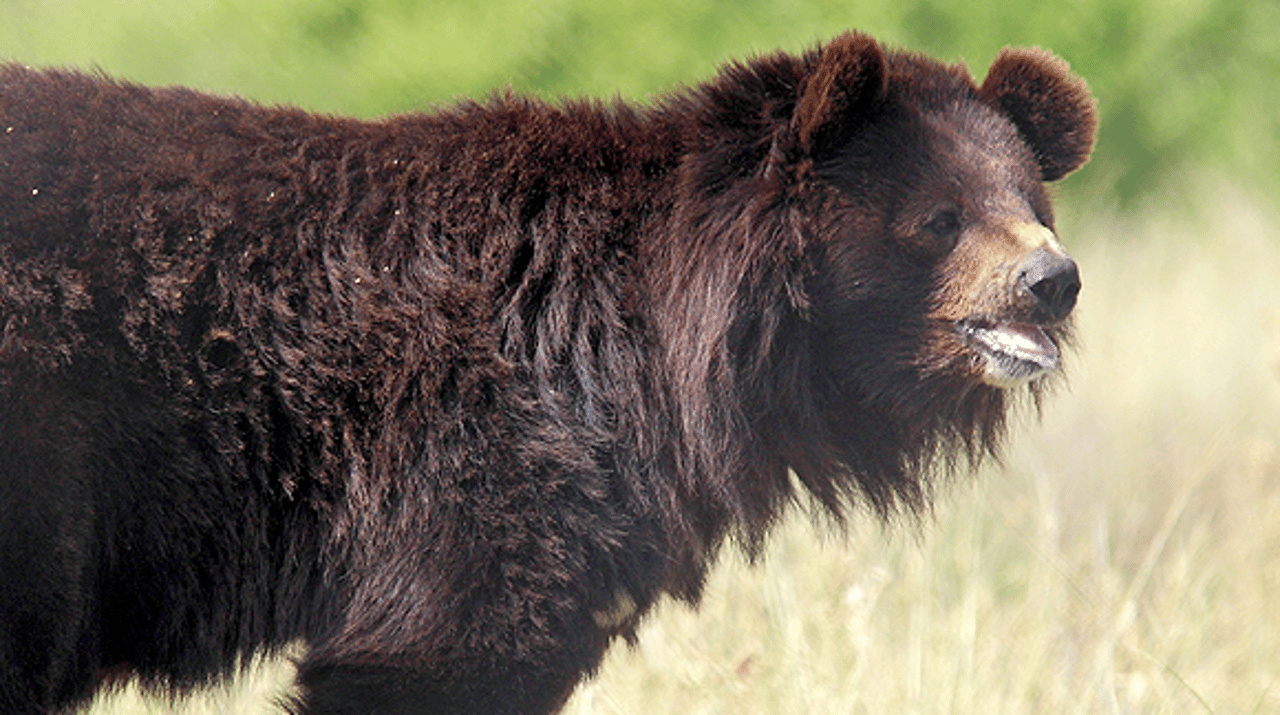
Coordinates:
1012 353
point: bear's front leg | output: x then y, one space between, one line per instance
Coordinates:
477 663
330 687
494 625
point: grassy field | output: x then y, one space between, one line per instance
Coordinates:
1125 558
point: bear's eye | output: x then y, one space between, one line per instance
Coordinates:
945 227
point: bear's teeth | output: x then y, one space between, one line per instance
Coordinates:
1021 340
1014 352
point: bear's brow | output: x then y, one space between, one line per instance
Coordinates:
978 149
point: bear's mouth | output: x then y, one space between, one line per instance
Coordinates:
1013 353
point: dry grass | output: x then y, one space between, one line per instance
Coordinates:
256 692
1123 560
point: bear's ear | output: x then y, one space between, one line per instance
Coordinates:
849 78
1052 108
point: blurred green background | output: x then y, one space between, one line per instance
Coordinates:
1184 85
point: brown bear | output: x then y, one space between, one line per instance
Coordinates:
454 398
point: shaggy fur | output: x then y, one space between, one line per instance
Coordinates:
456 397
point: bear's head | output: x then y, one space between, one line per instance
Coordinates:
872 271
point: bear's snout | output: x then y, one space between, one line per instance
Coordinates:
1052 281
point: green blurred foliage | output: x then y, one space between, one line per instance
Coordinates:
1184 86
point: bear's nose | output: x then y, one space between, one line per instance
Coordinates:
1052 280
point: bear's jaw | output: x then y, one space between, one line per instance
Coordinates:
1012 353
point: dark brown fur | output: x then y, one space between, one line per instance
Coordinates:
456 397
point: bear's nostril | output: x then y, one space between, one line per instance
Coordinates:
1058 291
1053 280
